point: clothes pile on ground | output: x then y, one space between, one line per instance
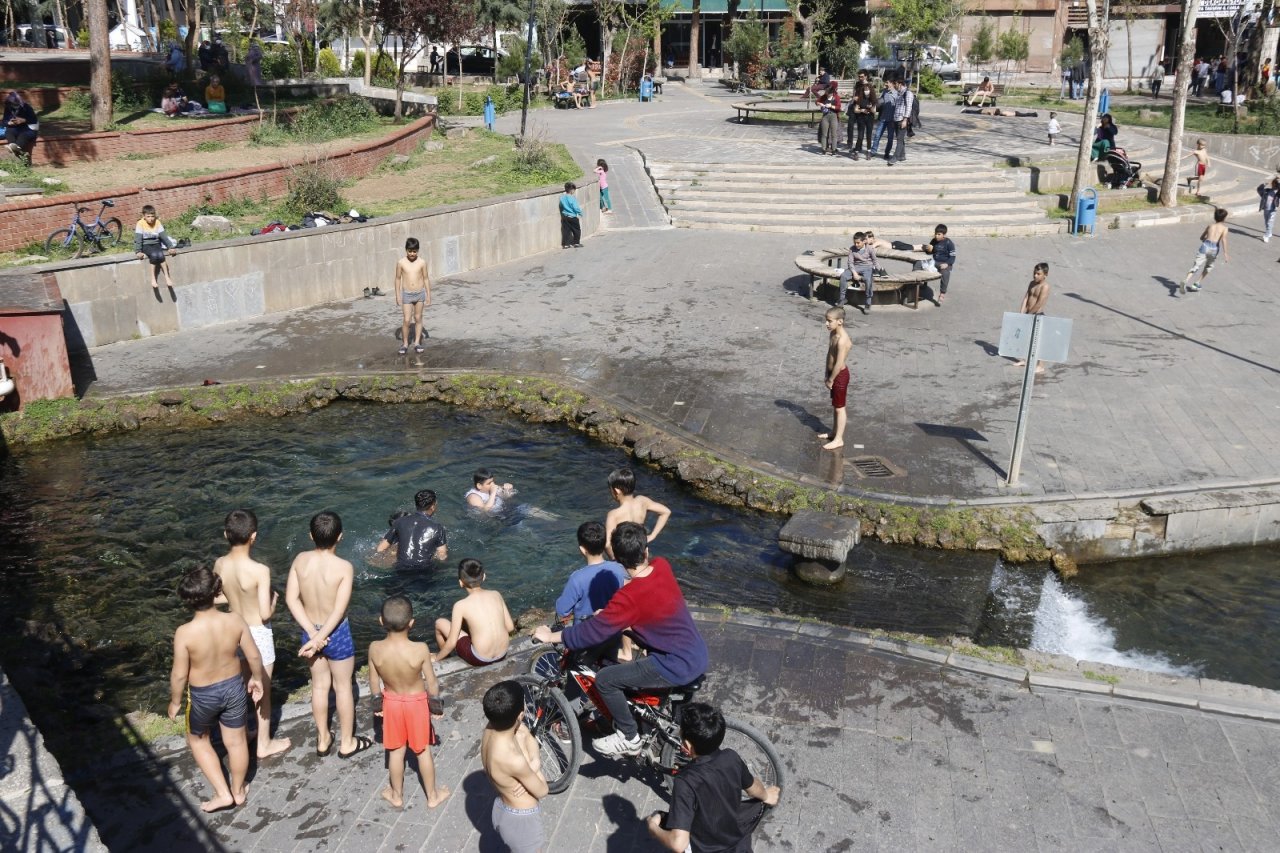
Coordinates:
314 219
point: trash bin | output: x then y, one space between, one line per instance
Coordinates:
489 113
1086 211
646 89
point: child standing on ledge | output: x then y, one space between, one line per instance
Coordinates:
413 294
150 242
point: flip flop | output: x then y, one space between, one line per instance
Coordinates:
362 743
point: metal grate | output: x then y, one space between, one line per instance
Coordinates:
873 466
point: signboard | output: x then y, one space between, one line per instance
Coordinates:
1225 8
1015 337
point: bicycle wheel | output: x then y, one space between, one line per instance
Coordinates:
550 720
109 233
64 243
545 664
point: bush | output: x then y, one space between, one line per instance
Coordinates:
384 67
575 49
341 117
512 63
210 145
268 135
80 102
505 99
329 64
279 64
533 153
312 187
931 83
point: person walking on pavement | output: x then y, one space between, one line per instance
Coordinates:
1268 199
888 105
1157 79
902 118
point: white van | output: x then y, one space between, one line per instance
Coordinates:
51 37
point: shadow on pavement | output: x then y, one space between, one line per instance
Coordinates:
803 415
965 437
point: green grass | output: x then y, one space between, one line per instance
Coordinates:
210 145
195 173
1200 118
139 155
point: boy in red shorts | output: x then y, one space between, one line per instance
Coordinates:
403 683
837 374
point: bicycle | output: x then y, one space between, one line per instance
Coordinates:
71 242
552 719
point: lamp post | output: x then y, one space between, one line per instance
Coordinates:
528 67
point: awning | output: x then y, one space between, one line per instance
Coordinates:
721 7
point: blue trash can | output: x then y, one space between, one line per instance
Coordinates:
646 89
1086 211
489 113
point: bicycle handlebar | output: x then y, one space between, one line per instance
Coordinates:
80 210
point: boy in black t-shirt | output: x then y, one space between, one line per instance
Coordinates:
707 812
419 539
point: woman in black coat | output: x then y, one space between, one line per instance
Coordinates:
21 125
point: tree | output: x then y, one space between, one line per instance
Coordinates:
983 45
1181 82
1099 24
1013 46
811 15
418 22
695 24
922 21
747 46
99 65
496 15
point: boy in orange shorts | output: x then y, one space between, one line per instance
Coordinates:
403 684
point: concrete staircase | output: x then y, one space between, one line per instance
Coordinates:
834 194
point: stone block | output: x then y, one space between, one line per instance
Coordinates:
819 536
209 222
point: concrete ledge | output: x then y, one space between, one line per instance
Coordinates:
1152 694
1005 671
1270 713
1059 681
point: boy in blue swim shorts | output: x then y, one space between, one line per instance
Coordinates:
318 593
207 671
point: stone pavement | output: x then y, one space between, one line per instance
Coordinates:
881 752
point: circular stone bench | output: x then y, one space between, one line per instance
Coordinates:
777 105
824 266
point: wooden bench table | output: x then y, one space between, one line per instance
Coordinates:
824 266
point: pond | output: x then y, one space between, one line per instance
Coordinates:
95 534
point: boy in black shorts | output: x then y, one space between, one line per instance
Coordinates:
206 669
707 810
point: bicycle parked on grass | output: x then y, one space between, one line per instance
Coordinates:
553 720
96 236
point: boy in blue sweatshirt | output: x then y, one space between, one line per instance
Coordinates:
570 215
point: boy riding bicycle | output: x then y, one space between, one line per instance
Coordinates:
653 607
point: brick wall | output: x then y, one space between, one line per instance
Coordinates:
182 136
22 223
48 98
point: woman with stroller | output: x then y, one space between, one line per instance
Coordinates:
1104 138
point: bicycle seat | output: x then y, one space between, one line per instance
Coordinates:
655 695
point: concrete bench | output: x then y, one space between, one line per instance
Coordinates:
997 92
821 543
824 266
746 108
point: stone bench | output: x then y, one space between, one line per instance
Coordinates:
821 543
824 266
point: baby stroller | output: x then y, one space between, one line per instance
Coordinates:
1124 172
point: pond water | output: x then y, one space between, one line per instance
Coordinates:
95 533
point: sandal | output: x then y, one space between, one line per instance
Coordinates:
362 743
328 749
402 350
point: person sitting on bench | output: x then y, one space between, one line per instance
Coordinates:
21 126
986 89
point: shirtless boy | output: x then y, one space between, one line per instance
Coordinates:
206 669
512 763
631 507
1033 301
402 684
1201 155
837 375
486 494
413 293
487 634
246 589
318 592
1213 241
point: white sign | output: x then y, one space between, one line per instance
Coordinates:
1015 337
1224 8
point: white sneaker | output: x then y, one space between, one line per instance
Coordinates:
617 744
1266 238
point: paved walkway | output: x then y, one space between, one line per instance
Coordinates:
881 752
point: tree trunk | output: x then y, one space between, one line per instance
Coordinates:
1128 38
367 41
695 27
1181 80
193 28
1098 30
99 64
606 52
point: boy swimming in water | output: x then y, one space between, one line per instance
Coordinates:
486 494
206 669
631 507
488 624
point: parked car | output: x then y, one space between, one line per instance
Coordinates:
477 60
907 57
51 37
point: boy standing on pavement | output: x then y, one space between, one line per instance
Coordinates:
707 809
570 218
511 760
1212 242
398 670
246 589
413 293
206 669
838 347
902 118
318 593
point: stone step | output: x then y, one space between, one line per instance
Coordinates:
878 183
785 171
839 195
847 208
882 225
912 220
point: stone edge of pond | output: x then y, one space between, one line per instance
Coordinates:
1037 672
714 473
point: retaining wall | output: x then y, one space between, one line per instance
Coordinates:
110 300
22 223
